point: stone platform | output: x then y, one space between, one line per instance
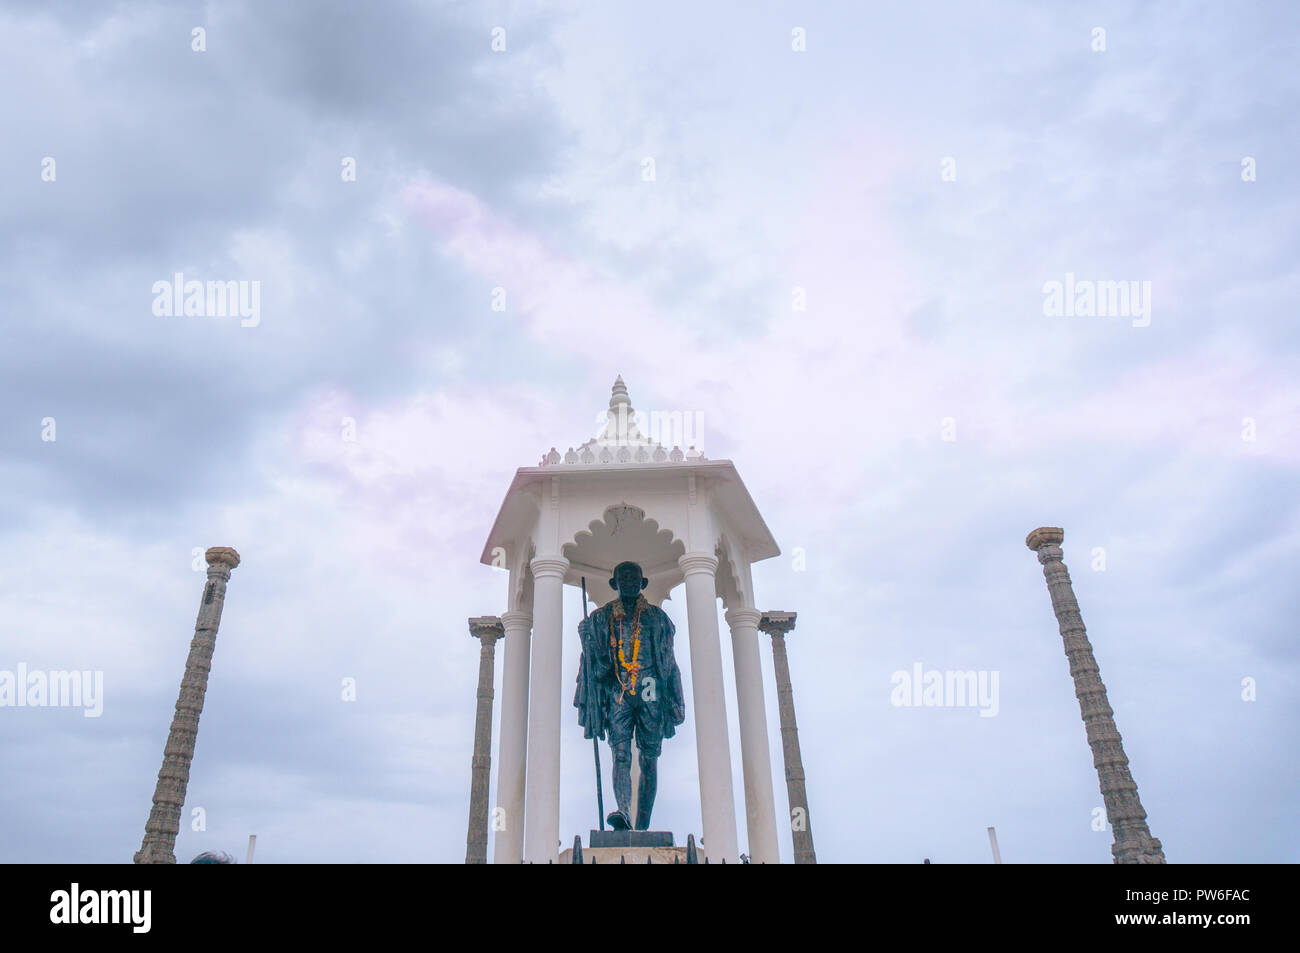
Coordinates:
630 839
630 855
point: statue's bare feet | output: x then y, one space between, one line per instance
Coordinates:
618 821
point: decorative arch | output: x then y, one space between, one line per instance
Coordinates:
624 531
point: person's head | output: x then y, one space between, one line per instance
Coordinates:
628 580
213 857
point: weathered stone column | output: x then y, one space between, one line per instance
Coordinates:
542 798
1133 841
755 755
512 751
487 629
173 777
777 624
712 749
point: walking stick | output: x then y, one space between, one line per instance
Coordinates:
595 743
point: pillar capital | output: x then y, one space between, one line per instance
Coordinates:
777 623
222 556
742 617
517 619
1045 536
692 563
486 627
549 566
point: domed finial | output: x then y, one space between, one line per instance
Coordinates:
618 394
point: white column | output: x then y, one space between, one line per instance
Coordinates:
542 798
755 756
717 798
512 754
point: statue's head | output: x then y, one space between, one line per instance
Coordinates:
213 857
628 580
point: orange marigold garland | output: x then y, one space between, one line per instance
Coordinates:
632 668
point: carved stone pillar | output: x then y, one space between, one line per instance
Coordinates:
174 776
777 624
487 629
1133 841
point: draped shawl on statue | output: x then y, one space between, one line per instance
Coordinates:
596 682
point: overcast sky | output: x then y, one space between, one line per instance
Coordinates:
839 262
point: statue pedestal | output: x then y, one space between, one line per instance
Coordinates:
627 855
630 839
